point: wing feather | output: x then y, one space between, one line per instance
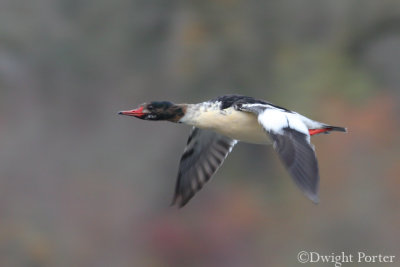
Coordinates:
299 158
291 140
204 154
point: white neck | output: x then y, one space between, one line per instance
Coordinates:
197 114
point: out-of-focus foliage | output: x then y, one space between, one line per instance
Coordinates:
80 186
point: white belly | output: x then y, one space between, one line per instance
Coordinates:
239 125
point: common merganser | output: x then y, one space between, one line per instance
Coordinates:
218 124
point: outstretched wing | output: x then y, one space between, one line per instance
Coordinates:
204 154
291 140
299 158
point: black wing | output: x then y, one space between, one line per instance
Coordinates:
299 158
204 154
229 100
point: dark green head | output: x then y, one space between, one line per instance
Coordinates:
157 111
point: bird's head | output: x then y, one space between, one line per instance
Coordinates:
156 111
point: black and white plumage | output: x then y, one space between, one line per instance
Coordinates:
221 122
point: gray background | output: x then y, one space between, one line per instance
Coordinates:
82 186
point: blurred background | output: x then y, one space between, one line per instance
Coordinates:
82 186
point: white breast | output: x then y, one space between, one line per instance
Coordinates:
239 125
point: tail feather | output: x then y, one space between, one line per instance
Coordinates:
326 129
337 128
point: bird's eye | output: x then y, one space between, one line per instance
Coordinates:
150 107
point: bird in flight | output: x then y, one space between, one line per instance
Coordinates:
218 124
